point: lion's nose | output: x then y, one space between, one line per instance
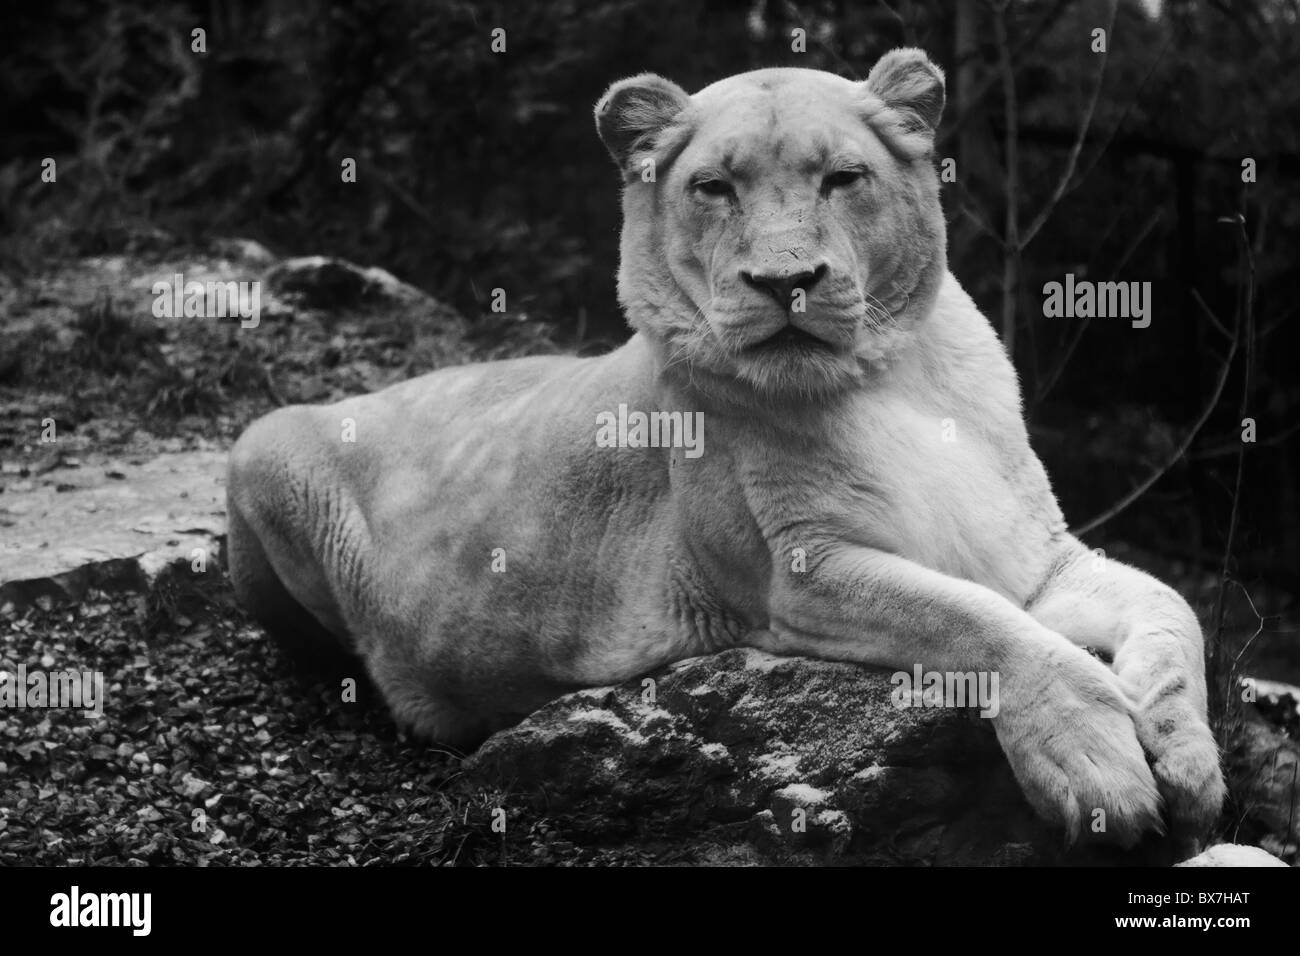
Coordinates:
782 286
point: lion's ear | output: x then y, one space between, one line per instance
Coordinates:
912 86
634 110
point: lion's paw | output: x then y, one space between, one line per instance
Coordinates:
1068 733
1185 761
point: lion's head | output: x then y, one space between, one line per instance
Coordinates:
780 227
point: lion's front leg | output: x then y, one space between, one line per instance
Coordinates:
1062 718
1157 649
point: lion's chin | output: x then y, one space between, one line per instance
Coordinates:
789 366
798 366
791 340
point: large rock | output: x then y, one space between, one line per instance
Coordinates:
745 757
324 282
109 524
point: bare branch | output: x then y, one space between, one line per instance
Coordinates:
909 35
1246 317
1050 17
1214 319
1084 122
1277 323
1100 151
1232 448
1186 443
389 182
1258 631
1055 373
980 222
972 211
1011 139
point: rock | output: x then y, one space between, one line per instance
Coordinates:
749 758
321 282
191 786
1277 703
1233 854
108 532
99 755
243 250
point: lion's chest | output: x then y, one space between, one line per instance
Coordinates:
940 486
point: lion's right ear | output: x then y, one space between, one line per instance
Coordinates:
633 111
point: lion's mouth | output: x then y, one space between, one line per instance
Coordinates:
791 338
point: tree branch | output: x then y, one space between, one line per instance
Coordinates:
1119 124
972 212
1082 135
1011 148
1050 17
1233 448
1186 443
1049 382
1246 317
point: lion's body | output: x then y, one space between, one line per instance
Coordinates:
865 489
616 561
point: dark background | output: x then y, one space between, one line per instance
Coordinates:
479 170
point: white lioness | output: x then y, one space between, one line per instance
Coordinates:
864 491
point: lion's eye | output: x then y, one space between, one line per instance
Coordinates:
714 187
841 178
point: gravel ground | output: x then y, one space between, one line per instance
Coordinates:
211 750
215 750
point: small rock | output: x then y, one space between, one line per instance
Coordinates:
191 786
245 250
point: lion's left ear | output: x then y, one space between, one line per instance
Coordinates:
912 86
